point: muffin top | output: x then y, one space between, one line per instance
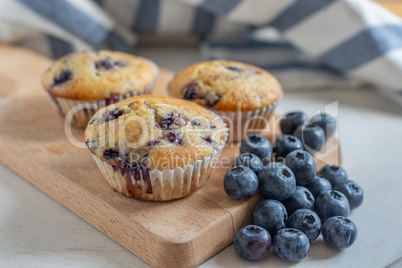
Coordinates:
155 132
99 75
226 86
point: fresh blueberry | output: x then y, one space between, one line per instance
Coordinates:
174 137
301 198
306 221
339 232
276 181
332 203
335 174
352 191
286 144
312 136
240 183
248 160
326 122
62 77
291 244
271 215
303 166
319 186
252 243
257 145
191 91
291 121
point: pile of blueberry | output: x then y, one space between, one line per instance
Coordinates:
315 202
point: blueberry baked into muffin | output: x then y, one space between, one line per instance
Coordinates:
234 90
96 79
155 148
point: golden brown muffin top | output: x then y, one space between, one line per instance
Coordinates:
155 132
92 75
226 86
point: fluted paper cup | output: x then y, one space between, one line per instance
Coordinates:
82 111
168 184
243 124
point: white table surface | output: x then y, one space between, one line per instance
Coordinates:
36 231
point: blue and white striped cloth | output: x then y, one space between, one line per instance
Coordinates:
306 43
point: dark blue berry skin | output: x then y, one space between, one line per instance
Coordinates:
190 94
110 115
173 120
249 160
332 203
191 91
174 137
326 122
234 69
62 77
110 154
276 181
153 143
303 166
291 121
271 215
240 183
335 174
252 243
257 145
339 232
106 64
306 221
352 191
286 144
313 137
291 244
319 185
301 198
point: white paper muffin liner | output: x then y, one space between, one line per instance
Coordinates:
237 122
168 184
82 111
243 124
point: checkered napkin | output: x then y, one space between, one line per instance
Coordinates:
306 43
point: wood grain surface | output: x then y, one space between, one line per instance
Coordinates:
33 143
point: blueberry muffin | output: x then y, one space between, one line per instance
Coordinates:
96 79
235 90
155 148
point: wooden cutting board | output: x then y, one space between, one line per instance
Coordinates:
33 143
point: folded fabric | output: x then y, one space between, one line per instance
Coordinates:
306 43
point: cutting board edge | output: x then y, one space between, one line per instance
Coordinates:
167 247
